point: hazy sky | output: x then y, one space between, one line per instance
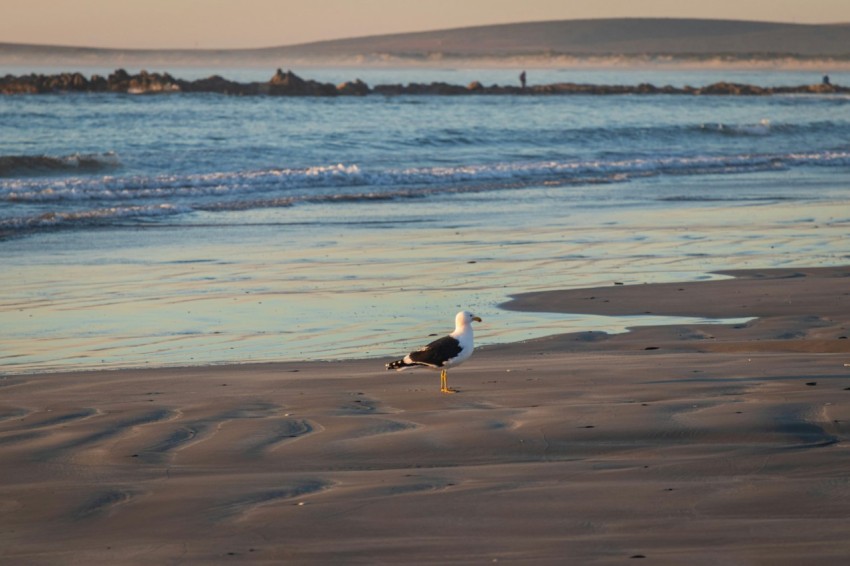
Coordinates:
264 23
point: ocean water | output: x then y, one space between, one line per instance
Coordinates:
196 229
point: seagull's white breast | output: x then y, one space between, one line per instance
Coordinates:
464 337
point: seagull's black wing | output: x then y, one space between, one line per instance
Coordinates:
437 352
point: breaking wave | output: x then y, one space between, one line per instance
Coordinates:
309 183
102 199
35 165
762 128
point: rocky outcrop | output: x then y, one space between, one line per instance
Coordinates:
119 81
39 84
355 88
289 84
435 88
220 85
143 83
732 89
820 88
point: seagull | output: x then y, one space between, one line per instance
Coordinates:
445 352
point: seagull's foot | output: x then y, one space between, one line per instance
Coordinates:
448 390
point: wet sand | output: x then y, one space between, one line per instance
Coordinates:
208 295
667 445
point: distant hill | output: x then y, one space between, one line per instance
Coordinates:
553 41
691 37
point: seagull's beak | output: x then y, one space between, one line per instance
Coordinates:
476 318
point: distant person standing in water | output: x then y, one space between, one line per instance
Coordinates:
522 79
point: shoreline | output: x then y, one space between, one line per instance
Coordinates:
666 443
625 300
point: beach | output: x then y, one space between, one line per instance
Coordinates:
674 444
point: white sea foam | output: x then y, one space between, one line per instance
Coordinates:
109 199
342 181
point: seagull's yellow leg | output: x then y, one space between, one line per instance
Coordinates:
444 386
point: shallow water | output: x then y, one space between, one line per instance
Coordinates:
207 229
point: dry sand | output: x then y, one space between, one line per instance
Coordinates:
667 445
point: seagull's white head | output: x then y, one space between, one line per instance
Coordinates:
465 318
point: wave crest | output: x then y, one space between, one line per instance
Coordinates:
33 165
99 200
760 129
57 219
340 181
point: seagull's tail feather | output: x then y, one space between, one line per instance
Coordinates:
399 365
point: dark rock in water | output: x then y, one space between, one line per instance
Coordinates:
118 81
98 83
75 82
827 88
145 83
41 84
356 88
287 80
17 85
388 90
290 84
731 88
219 85
445 89
435 88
